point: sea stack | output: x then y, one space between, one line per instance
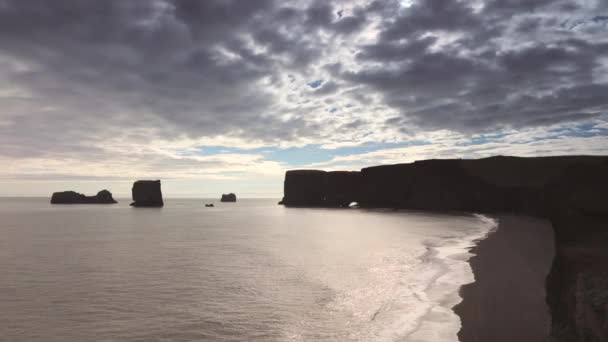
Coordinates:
228 197
147 193
72 197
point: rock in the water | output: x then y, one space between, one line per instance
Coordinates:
209 205
228 197
72 197
147 193
105 196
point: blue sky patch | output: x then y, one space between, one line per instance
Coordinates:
482 139
305 155
585 130
315 84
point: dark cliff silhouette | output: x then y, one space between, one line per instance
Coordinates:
228 197
569 191
147 193
72 197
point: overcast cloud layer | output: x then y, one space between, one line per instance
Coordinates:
223 92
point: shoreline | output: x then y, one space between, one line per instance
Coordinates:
507 300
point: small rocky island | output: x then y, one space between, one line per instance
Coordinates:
72 197
147 193
228 197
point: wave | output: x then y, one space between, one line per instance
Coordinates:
408 293
449 258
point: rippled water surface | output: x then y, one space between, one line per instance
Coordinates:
245 271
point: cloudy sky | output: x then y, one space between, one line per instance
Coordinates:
217 95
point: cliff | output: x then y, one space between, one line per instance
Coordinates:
72 197
311 188
570 191
228 198
147 193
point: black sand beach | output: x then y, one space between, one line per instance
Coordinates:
507 300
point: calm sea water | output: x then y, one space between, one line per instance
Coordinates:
246 271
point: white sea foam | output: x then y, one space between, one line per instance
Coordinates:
410 296
440 323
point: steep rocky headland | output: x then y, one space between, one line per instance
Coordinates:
72 197
569 191
147 193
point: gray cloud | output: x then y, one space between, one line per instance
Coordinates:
76 73
327 88
444 64
175 67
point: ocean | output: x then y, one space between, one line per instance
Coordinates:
245 271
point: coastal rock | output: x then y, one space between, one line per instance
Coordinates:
105 196
314 188
72 197
577 286
228 197
583 187
429 184
147 193
535 186
342 189
305 188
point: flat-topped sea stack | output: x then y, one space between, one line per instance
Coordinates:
72 197
147 193
228 197
570 191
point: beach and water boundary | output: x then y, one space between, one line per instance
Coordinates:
506 302
497 276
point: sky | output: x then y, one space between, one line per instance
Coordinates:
224 96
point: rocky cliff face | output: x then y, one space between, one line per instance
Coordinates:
72 197
577 287
570 191
147 193
312 188
429 184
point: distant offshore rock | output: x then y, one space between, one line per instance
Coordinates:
72 197
228 197
147 193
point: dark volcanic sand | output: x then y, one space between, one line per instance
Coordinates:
507 300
